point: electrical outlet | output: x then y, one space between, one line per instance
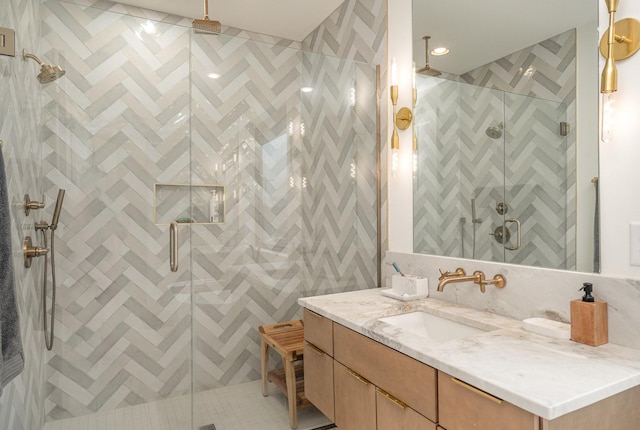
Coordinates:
634 243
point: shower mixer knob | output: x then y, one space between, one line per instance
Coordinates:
29 251
32 204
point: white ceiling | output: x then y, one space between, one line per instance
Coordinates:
481 31
289 19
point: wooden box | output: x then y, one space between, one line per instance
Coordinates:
589 322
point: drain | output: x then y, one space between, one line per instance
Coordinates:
208 427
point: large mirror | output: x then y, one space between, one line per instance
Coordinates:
506 161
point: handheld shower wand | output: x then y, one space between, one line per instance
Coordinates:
56 211
474 222
42 226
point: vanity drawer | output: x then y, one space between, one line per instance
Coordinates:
318 330
355 400
394 414
463 407
318 379
409 380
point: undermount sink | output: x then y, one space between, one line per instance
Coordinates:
432 327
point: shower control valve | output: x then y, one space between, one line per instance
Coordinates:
32 204
29 251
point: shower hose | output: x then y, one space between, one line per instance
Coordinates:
48 336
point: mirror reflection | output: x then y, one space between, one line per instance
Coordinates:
502 166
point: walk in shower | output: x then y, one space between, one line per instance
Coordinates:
495 178
154 123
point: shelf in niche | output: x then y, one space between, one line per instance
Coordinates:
174 202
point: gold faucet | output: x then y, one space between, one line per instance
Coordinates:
478 277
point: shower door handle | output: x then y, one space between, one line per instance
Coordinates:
173 246
519 234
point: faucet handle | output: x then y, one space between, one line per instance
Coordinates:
444 274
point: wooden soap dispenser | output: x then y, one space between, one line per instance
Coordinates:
589 319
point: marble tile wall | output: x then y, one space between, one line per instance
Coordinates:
357 30
22 401
530 292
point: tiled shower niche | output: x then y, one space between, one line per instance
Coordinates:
191 204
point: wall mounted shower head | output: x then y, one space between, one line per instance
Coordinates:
495 132
48 72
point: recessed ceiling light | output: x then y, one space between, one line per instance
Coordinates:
306 89
440 51
213 75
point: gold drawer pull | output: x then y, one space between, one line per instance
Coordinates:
315 349
358 377
477 391
393 399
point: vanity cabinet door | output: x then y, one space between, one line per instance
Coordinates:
355 400
463 407
318 379
396 415
318 331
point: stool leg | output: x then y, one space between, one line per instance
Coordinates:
264 361
290 375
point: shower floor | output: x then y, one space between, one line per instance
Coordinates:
240 407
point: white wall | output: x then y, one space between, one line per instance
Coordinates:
619 160
400 189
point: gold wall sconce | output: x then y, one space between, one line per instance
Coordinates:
619 42
401 119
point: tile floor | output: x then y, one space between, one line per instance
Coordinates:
241 407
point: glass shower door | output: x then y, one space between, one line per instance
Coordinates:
285 139
537 190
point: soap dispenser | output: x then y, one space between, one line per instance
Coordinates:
589 319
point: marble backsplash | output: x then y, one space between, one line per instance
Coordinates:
530 291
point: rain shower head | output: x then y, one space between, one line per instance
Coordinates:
495 132
206 25
48 72
426 70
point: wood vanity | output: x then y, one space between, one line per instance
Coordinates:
362 384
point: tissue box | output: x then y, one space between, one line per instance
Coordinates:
410 285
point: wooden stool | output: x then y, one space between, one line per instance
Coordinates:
286 339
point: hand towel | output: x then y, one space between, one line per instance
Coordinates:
11 355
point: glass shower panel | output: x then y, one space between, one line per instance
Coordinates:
117 126
460 169
291 137
481 170
537 181
435 177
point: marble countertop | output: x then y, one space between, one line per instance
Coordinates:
545 376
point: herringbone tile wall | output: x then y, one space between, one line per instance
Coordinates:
357 30
137 107
463 162
22 400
